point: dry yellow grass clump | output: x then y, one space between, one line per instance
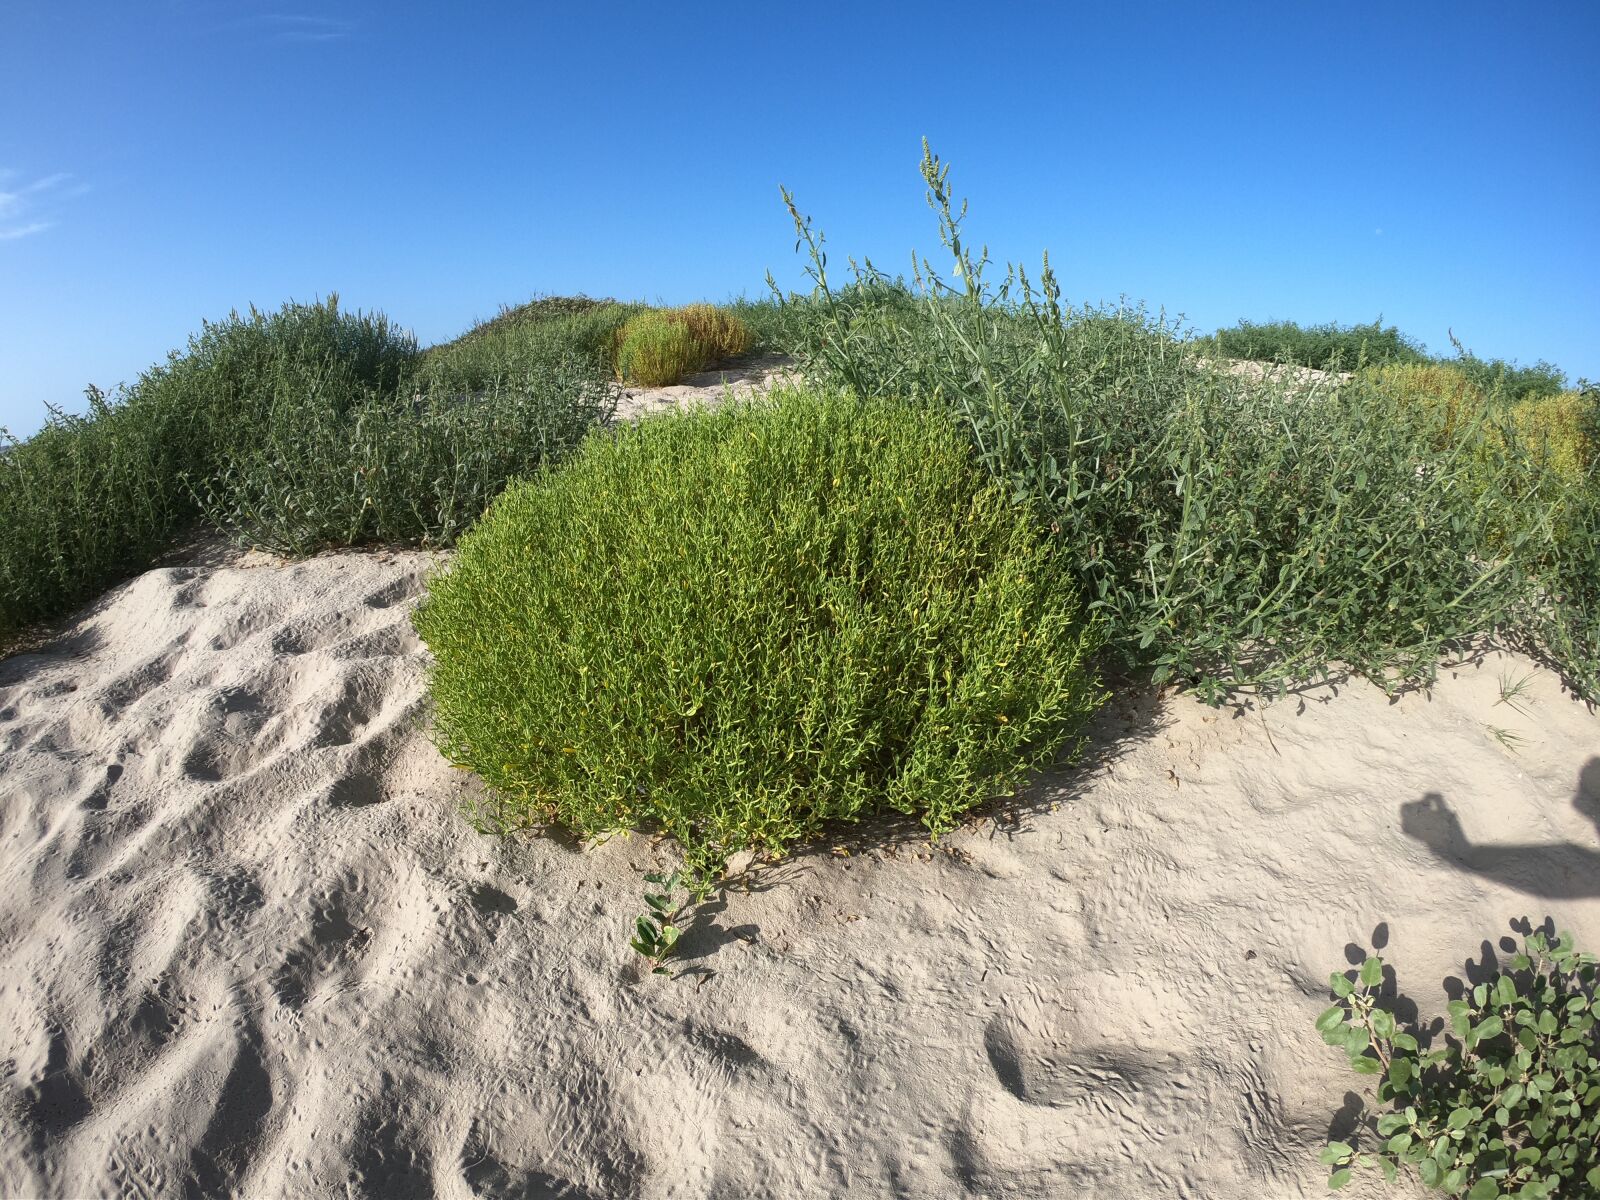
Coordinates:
658 348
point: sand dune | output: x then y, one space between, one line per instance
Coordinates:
248 943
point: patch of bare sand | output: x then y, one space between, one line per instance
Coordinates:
249 944
741 379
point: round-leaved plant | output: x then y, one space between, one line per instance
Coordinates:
1504 1102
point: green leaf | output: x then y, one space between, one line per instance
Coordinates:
1484 1189
1338 1179
1336 1152
1330 1019
1492 1027
1341 986
1372 972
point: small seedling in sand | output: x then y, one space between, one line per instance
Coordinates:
1509 738
655 934
1514 692
1504 1101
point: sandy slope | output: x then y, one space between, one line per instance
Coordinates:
247 942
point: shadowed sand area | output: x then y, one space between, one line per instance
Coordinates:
248 942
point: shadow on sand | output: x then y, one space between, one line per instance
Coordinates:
1554 870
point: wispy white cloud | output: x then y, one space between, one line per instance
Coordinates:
294 27
22 204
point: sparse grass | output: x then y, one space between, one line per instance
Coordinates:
738 624
1514 691
1508 738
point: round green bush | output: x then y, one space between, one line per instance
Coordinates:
734 625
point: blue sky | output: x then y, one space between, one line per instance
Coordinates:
169 160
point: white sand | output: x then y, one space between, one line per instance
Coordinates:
754 374
249 944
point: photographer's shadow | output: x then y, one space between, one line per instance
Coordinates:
1557 870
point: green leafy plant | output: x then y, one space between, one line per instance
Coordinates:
736 625
83 502
1333 346
418 468
655 934
1507 380
525 340
1231 532
766 321
90 499
1562 429
1507 1104
1328 347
